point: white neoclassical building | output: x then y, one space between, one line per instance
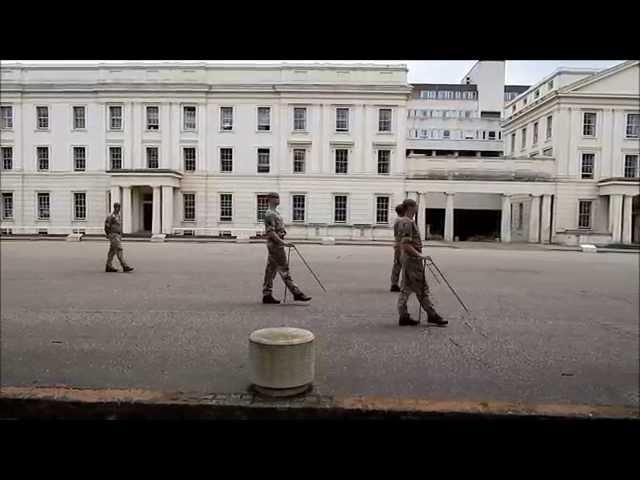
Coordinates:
195 147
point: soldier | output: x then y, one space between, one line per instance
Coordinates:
277 259
397 264
413 279
113 230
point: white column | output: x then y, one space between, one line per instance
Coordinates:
534 219
126 210
448 218
505 224
167 209
627 234
155 222
615 217
115 196
422 203
545 222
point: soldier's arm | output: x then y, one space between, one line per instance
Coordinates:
269 230
107 225
405 234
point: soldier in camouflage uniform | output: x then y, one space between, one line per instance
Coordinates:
113 230
413 280
277 258
397 264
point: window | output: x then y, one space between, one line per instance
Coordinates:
342 161
43 118
299 155
264 119
7 158
152 157
384 160
589 124
115 117
7 206
79 118
550 85
536 94
298 207
189 206
535 133
584 214
520 215
115 157
587 165
79 206
43 206
189 117
467 114
153 118
547 152
513 143
524 138
226 160
189 154
226 207
382 209
79 159
633 125
263 160
226 118
549 126
446 134
631 166
261 207
6 116
428 94
492 135
340 209
300 118
384 120
342 119
43 158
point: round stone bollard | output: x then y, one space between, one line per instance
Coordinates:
282 361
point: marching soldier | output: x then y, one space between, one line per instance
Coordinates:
277 259
397 264
113 230
413 280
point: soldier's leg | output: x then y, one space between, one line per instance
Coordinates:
405 292
283 269
119 253
422 292
111 254
397 267
269 275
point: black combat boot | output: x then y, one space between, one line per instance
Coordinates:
407 321
268 299
109 268
127 269
394 288
436 319
301 297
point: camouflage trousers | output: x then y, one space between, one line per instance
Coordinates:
115 249
397 266
277 263
414 281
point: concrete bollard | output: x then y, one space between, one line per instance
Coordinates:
282 361
328 241
158 237
586 248
74 237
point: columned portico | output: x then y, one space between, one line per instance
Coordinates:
505 223
115 196
126 210
156 211
448 218
615 217
627 219
545 221
534 219
167 209
621 192
422 218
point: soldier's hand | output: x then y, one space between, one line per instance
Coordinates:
427 258
287 244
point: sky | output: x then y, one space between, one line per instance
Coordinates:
517 72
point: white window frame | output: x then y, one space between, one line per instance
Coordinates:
378 151
2 198
375 207
10 118
549 129
73 118
270 110
304 127
544 152
73 157
73 206
333 209
220 206
513 143
335 161
221 118
380 120
591 203
2 150
258 160
109 117
293 160
637 166
184 207
48 127
523 140
595 124
146 156
184 117
293 208
147 124
627 125
593 166
265 199
48 169
535 133
184 158
38 217
220 159
110 159
348 120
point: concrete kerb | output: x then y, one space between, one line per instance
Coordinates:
73 403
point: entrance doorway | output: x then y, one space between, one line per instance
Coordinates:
147 212
476 225
434 227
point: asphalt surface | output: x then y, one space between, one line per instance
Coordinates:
545 326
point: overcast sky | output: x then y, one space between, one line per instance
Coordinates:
517 72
